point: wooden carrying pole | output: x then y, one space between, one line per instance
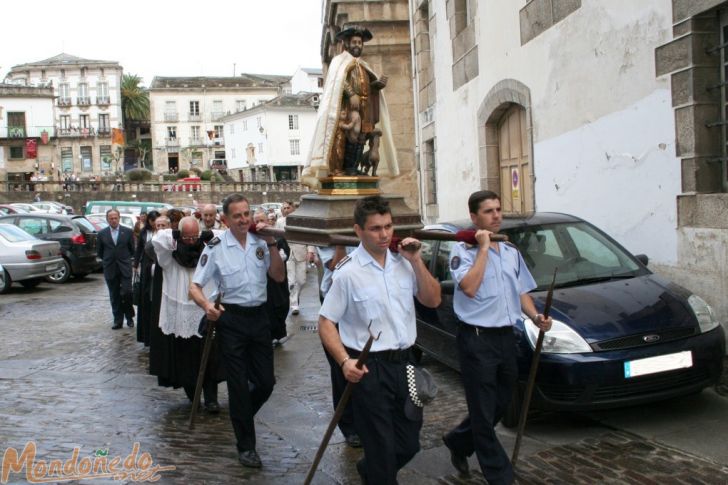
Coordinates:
532 375
339 411
209 337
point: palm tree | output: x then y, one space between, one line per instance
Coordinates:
134 109
134 99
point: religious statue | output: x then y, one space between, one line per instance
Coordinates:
352 116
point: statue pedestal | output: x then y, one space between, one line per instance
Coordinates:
323 214
349 185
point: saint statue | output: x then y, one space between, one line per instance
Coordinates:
352 117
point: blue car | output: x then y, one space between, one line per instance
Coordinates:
622 335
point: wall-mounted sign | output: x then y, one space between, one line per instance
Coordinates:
515 184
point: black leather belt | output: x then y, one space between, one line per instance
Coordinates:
241 310
396 356
485 330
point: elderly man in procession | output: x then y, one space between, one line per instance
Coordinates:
178 252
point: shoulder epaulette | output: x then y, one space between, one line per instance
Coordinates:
508 243
342 262
214 242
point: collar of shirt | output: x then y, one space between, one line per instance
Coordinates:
364 258
230 240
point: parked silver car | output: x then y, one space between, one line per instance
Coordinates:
26 259
51 207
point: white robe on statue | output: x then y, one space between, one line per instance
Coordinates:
327 119
178 315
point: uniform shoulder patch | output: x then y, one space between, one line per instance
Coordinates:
214 241
342 262
455 262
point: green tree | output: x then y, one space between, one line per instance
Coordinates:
134 100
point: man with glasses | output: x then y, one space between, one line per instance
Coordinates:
178 252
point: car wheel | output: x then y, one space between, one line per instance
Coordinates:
513 411
62 275
5 282
32 283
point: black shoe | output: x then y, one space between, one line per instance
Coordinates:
130 323
353 441
362 472
250 459
117 326
212 407
460 462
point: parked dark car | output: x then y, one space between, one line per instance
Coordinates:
622 335
76 235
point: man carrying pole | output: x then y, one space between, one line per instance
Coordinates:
375 285
492 290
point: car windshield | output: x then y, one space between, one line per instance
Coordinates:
14 233
582 254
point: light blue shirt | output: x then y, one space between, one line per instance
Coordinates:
240 272
115 234
497 302
326 254
362 291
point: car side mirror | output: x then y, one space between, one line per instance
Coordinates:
642 258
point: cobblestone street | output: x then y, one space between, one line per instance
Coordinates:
67 380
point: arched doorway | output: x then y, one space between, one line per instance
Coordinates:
514 161
505 139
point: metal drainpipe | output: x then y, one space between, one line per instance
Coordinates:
415 104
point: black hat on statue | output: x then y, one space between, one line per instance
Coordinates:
354 31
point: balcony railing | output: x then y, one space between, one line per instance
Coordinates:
104 131
219 141
216 115
196 141
103 100
16 132
172 142
194 117
83 101
170 117
75 132
64 102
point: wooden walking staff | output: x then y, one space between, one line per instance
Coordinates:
532 374
209 337
340 408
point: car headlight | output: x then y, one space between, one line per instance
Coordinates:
561 339
703 313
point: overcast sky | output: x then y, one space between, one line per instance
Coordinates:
167 38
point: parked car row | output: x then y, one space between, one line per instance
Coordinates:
35 207
75 236
26 259
621 336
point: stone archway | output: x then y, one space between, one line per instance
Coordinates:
505 145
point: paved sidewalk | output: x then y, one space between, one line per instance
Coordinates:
67 380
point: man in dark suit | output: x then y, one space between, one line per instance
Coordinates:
115 247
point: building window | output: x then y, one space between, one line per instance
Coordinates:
320 82
260 148
83 122
295 147
218 131
104 126
195 108
195 134
67 160
217 106
172 132
87 159
16 153
102 89
65 128
292 122
83 94
16 124
105 153
240 105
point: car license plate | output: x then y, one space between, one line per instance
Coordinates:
51 267
661 363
